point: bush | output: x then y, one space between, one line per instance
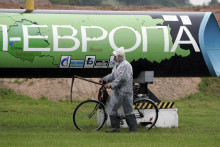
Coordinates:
210 85
6 92
43 97
91 2
66 2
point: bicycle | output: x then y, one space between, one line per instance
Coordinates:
90 115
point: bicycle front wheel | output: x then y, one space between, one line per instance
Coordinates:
146 112
89 115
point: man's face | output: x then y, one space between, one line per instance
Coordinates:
115 58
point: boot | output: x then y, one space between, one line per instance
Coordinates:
115 124
112 130
132 123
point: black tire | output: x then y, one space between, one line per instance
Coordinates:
85 116
146 112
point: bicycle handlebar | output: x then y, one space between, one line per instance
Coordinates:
88 80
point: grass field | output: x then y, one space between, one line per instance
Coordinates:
28 122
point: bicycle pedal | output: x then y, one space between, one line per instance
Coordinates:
122 117
145 123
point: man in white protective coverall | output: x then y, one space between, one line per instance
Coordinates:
121 84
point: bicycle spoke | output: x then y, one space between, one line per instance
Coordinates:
146 113
89 116
94 111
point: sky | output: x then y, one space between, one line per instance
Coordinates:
200 2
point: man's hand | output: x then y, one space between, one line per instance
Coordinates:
100 81
108 86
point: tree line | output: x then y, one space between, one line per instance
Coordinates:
173 3
122 2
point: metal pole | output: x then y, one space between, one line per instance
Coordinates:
29 5
71 90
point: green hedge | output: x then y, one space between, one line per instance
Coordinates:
122 2
66 2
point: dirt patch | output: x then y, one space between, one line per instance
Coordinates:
59 89
52 89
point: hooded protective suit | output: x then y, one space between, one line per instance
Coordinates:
122 88
122 92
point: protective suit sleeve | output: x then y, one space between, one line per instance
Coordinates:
109 78
123 76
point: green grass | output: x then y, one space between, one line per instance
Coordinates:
28 122
19 82
31 83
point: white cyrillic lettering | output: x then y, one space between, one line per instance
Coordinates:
5 37
190 41
27 37
85 39
166 37
112 42
56 38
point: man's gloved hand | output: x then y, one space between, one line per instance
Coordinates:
108 86
100 80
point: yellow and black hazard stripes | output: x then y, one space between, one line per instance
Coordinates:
161 105
144 106
165 105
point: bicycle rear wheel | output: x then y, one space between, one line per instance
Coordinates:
89 115
146 112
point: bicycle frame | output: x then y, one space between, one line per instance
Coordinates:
96 108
